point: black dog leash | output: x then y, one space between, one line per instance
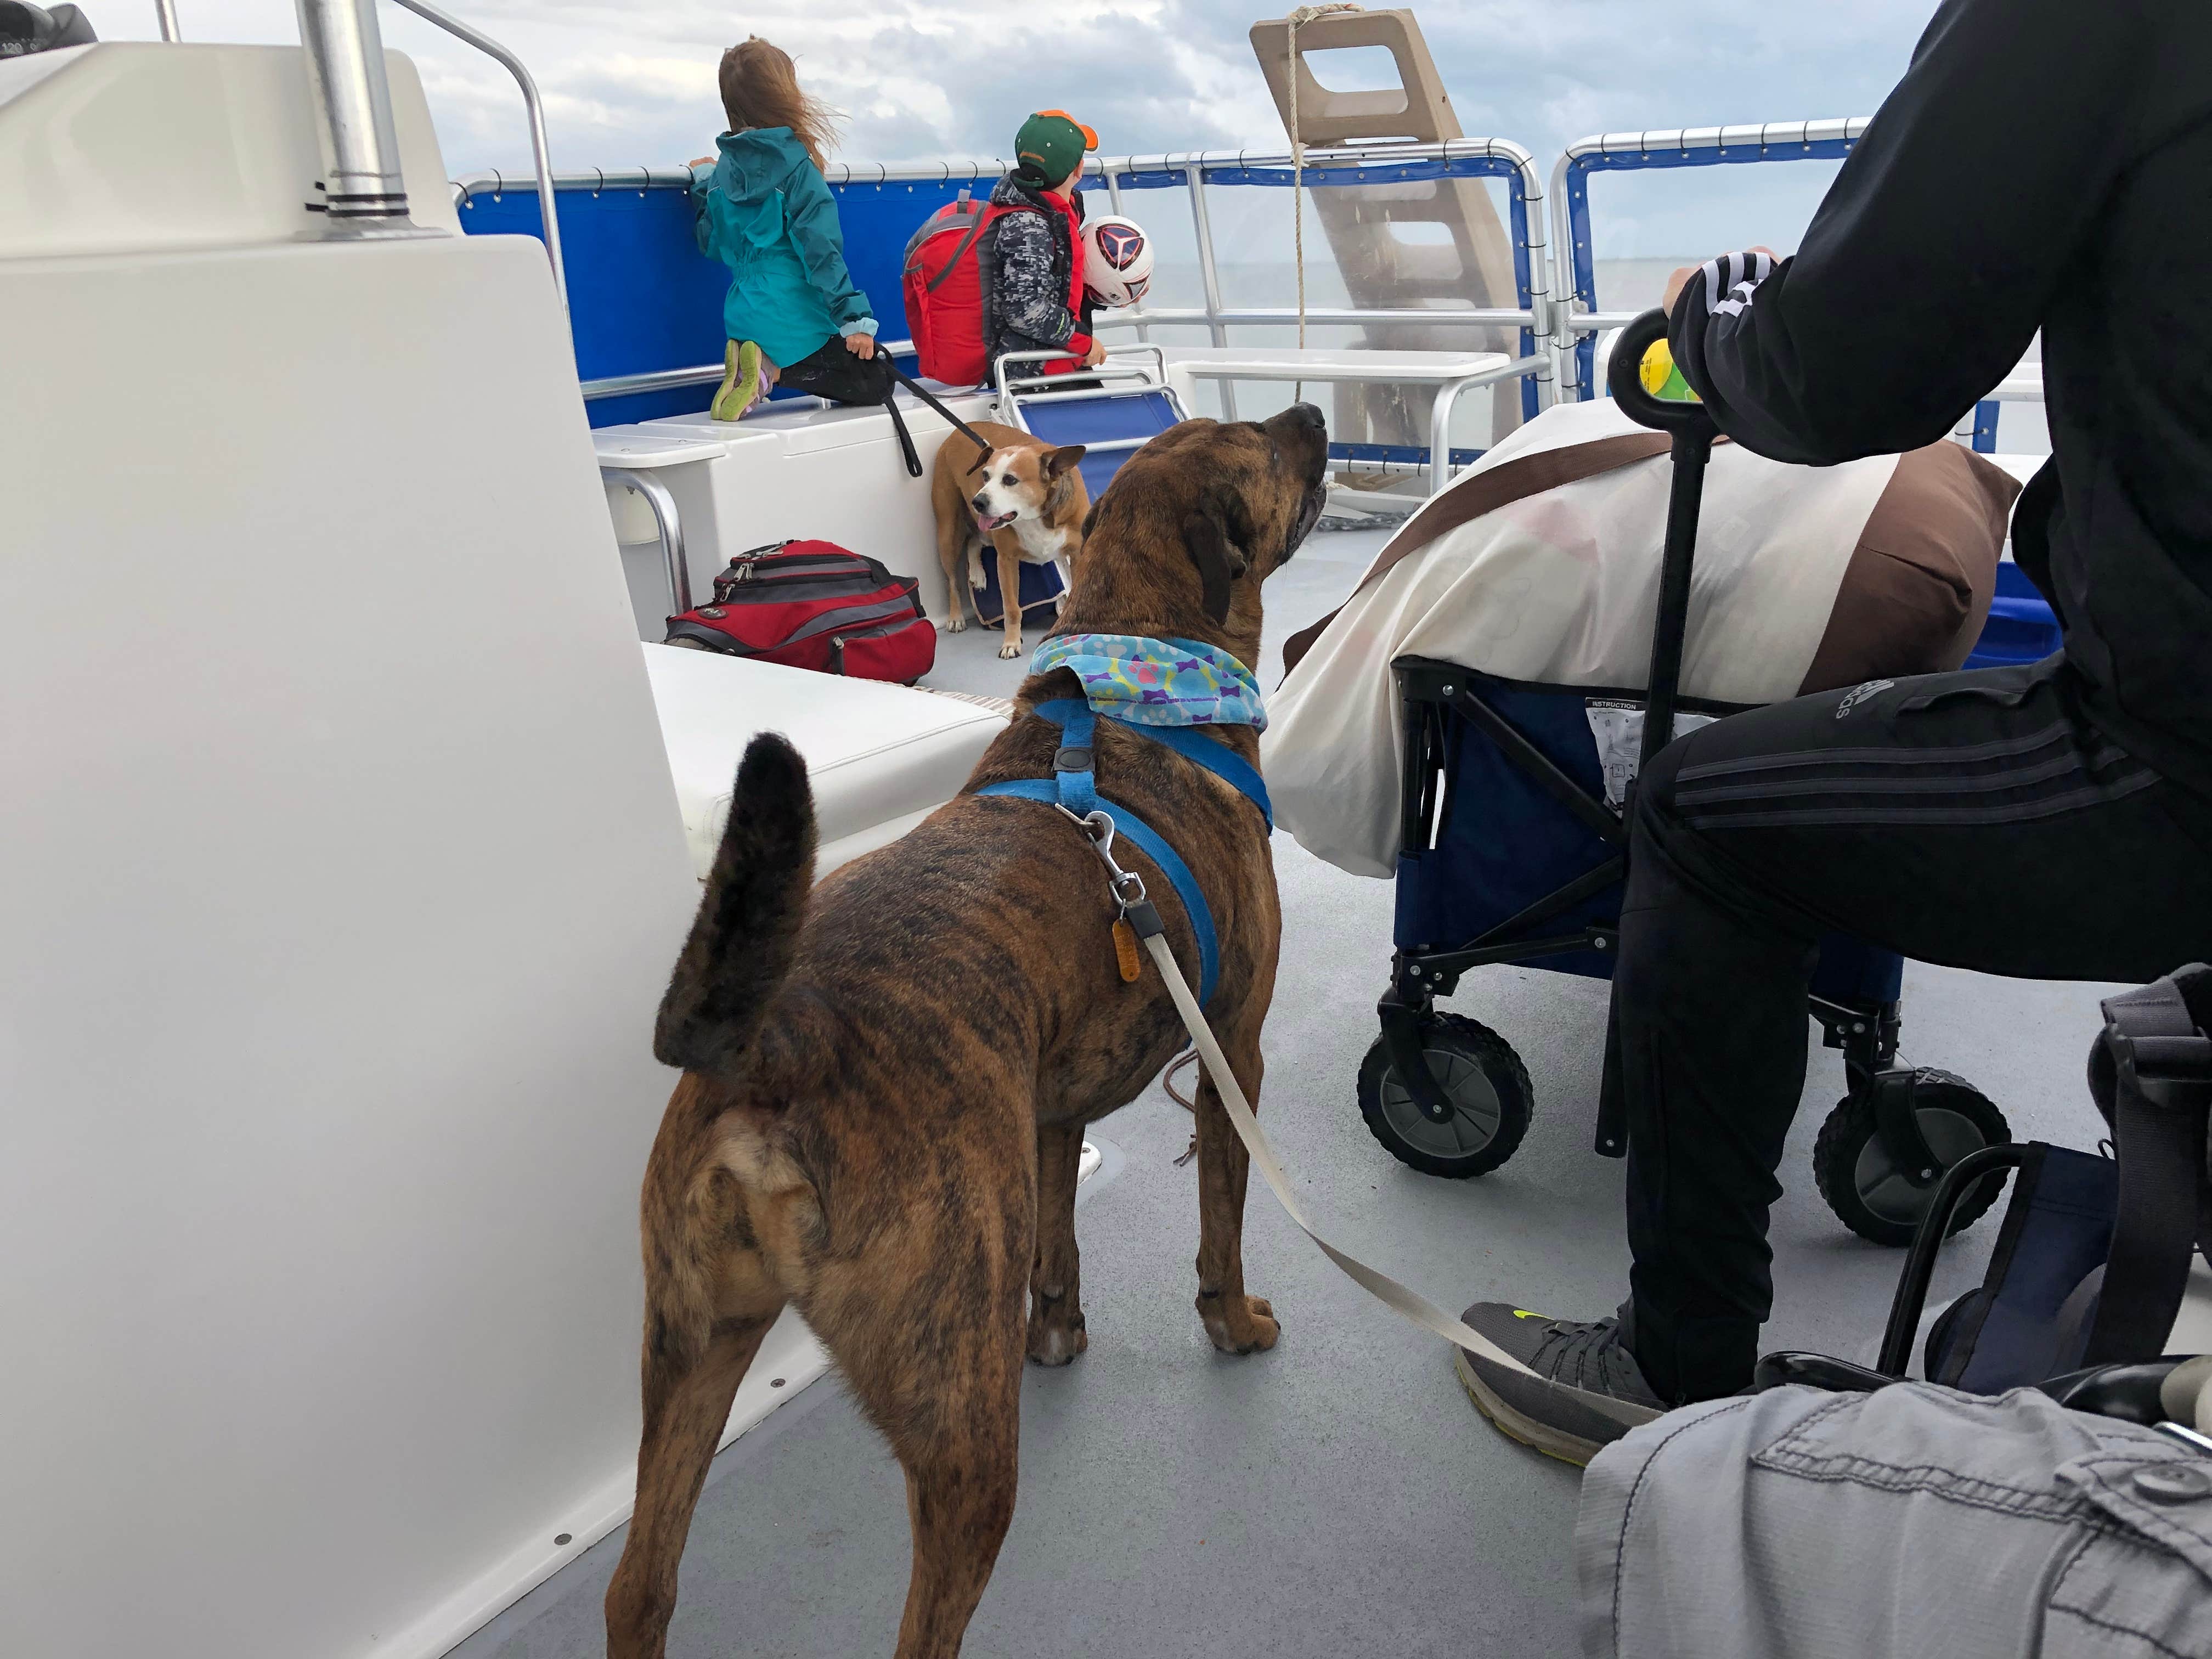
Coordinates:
906 443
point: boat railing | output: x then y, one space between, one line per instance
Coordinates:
648 330
534 112
1579 321
632 357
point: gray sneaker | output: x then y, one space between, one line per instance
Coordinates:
1574 1389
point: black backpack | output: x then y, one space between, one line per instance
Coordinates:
2093 1263
2093 1259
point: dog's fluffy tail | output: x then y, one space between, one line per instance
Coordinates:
747 930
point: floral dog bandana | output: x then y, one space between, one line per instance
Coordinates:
1157 682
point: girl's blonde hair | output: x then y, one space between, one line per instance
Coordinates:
760 88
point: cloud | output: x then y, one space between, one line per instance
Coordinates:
925 81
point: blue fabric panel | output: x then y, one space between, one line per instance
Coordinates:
1986 426
879 220
1849 971
1504 843
1039 584
641 297
2021 626
648 405
2067 1234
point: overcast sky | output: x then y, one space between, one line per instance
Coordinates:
629 85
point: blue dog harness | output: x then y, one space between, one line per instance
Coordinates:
1073 785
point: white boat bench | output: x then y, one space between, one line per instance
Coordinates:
880 758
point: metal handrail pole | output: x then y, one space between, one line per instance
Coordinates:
672 379
658 379
671 525
1596 322
1512 368
1030 399
1567 366
1487 317
1036 384
533 106
365 189
165 14
1209 278
1335 158
1440 414
1542 278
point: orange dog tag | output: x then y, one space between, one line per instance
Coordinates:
1125 951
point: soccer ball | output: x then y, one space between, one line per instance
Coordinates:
1117 260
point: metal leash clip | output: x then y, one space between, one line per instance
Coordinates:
1127 885
1134 918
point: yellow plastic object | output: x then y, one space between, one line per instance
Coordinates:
1125 951
1661 378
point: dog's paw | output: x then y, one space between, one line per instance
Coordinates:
956 625
1010 649
1243 1324
1056 1342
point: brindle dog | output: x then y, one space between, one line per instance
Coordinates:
887 1077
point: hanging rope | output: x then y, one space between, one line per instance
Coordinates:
1301 15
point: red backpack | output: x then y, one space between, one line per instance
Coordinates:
944 288
811 604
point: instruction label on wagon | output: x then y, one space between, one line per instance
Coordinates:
1618 729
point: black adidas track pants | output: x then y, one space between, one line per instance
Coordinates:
1973 819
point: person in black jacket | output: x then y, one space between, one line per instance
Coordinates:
2041 165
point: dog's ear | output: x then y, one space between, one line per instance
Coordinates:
1230 511
1220 561
1057 461
1091 517
976 465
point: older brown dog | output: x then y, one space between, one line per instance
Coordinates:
888 1076
1023 496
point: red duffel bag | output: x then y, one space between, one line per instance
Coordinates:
812 605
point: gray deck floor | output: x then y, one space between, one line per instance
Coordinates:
1338 1496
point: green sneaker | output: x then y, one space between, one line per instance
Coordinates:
1586 1390
741 382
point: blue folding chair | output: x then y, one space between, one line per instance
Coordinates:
1113 410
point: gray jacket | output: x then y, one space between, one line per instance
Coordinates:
1916 1522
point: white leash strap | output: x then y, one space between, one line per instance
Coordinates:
1128 890
1407 1303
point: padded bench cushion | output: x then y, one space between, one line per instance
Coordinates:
881 758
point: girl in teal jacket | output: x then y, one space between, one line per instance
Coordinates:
763 209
